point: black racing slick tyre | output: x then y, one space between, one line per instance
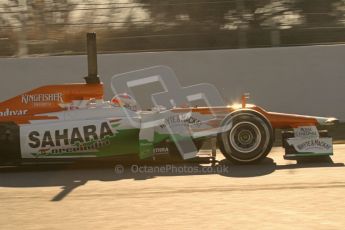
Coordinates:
248 138
9 143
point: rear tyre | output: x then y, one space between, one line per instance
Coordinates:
9 143
249 139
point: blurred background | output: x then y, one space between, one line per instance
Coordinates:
51 27
304 80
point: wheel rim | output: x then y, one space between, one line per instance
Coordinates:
245 137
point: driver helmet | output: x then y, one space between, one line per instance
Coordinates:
124 100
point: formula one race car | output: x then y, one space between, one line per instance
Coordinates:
69 122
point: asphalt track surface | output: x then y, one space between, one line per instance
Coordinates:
276 194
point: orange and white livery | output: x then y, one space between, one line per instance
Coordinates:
73 121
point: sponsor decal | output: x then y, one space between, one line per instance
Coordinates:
312 144
306 131
9 112
161 150
48 97
82 138
181 120
80 147
69 136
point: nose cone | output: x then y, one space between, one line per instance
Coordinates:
327 120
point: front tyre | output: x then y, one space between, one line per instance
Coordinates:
249 138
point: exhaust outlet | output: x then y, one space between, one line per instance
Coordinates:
91 47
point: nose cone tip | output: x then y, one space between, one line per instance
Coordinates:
332 120
327 120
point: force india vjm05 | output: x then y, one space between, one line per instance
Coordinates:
71 122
